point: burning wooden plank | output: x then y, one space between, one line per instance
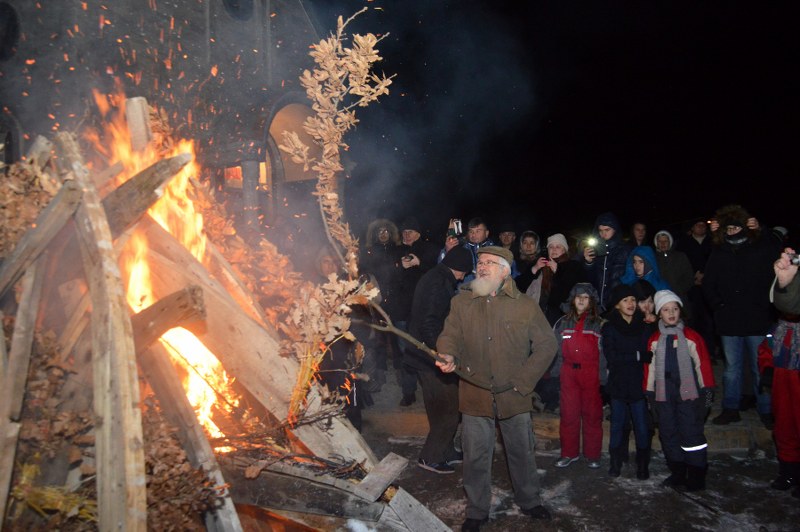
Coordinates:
121 484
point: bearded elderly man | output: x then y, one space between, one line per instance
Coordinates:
500 344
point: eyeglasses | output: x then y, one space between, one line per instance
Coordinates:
383 230
488 263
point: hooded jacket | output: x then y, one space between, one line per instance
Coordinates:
652 274
607 268
738 277
500 342
675 268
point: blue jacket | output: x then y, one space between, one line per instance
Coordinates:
652 275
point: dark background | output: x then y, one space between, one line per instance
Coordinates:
549 113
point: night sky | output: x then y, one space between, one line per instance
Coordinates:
549 113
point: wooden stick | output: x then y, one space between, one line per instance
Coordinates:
137 115
19 356
172 311
127 203
121 485
35 240
39 153
9 434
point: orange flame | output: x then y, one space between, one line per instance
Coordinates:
175 212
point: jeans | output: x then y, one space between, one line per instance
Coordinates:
736 349
641 426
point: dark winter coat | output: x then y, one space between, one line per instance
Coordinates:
502 343
427 254
698 252
625 349
609 266
736 285
568 274
430 308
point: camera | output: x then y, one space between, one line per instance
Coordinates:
454 229
794 259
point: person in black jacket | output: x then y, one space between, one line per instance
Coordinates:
430 307
736 285
605 262
625 336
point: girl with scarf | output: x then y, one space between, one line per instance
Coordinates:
625 348
679 380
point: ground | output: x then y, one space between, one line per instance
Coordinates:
738 497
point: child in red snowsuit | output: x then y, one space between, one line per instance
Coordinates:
582 371
779 365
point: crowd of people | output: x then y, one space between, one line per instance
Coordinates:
572 326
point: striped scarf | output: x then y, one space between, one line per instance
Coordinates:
688 386
789 359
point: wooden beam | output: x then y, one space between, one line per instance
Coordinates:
121 486
128 202
160 373
381 476
19 356
415 515
35 240
137 114
39 153
16 377
174 310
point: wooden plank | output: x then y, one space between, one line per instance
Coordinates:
381 476
137 115
121 488
3 353
35 240
160 373
19 357
128 202
175 310
40 152
9 434
415 515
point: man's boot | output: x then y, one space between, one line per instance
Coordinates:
643 463
678 476
615 456
728 415
696 478
787 475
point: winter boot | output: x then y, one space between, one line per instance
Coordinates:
615 456
696 478
728 415
787 475
643 463
678 476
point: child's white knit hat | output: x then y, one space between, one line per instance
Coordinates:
663 297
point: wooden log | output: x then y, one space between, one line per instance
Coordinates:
223 272
3 353
246 349
160 373
121 488
381 476
174 310
137 114
13 392
128 202
106 179
35 240
19 356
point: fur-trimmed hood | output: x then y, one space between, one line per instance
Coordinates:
372 232
733 215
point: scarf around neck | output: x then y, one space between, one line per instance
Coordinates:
688 387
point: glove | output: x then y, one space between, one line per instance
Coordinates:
766 378
646 357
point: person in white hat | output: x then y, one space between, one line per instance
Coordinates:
679 381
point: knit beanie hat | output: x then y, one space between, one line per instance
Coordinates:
559 239
620 292
663 297
459 259
643 289
410 223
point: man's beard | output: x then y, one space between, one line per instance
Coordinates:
483 286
